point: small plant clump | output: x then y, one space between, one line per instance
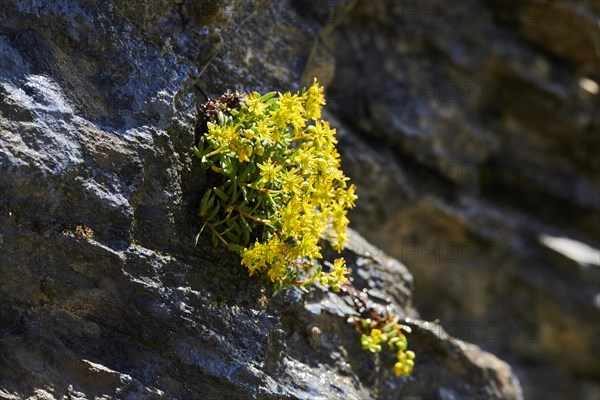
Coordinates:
277 190
375 334
280 189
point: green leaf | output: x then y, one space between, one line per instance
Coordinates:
235 247
246 229
199 151
240 178
231 221
244 207
235 193
272 201
258 203
219 223
215 211
238 229
248 172
245 223
211 202
228 167
267 96
222 195
204 203
200 233
246 236
303 288
232 236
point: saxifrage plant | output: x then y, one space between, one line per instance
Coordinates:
278 191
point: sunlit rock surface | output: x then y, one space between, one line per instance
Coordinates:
488 195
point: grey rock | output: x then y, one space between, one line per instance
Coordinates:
104 293
471 130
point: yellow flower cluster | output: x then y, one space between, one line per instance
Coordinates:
281 188
389 332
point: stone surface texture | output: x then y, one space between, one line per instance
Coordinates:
488 197
473 130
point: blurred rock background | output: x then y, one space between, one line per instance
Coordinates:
471 129
479 125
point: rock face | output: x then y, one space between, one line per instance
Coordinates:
105 294
473 129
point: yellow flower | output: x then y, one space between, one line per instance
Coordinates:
315 100
399 369
249 134
323 135
342 238
340 271
290 111
254 258
244 153
350 197
308 247
255 106
221 134
269 170
276 270
291 180
264 130
403 367
305 160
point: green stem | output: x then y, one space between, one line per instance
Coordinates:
245 214
212 153
225 242
303 283
263 189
